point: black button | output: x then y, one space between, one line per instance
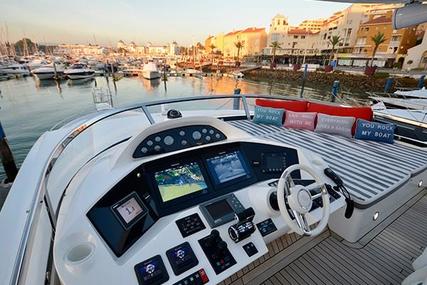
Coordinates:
151 271
250 249
181 258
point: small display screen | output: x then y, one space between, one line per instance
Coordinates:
219 209
179 181
129 210
228 166
274 161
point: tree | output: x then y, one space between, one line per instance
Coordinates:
239 45
25 47
274 45
333 41
378 39
212 47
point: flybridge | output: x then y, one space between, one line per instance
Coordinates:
202 198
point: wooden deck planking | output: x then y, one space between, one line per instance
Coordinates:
386 259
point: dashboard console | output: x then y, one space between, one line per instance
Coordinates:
185 213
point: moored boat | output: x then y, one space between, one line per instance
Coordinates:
150 71
79 71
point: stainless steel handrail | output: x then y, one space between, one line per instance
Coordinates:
59 148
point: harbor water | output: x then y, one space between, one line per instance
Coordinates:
28 107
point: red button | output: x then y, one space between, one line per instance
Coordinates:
203 276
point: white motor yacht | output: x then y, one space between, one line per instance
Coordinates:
79 71
126 196
150 71
49 71
16 69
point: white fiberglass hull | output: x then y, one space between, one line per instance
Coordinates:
76 76
151 74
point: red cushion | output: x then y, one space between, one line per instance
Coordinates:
357 112
295 106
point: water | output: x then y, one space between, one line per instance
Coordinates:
29 108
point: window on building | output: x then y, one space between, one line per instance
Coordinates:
324 36
349 31
395 38
302 37
295 37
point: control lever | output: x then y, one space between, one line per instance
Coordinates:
245 215
340 187
334 177
244 227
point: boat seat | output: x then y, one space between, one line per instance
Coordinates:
421 261
371 170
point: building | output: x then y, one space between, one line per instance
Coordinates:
343 24
313 26
392 50
254 40
279 27
80 49
299 40
157 50
217 41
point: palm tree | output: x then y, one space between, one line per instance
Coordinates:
212 47
239 45
274 45
334 41
378 39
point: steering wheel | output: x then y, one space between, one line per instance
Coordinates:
300 201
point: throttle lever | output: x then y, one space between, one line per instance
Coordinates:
333 176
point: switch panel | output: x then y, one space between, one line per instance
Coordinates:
181 258
217 252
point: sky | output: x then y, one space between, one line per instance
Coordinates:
157 21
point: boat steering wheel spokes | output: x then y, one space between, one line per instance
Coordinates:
300 201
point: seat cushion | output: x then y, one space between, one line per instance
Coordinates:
300 120
295 106
336 125
373 131
268 116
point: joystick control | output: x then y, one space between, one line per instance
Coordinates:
217 252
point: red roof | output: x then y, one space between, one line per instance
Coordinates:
253 30
297 31
248 30
379 20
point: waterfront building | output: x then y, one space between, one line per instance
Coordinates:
80 49
217 41
157 50
392 51
344 24
299 40
254 40
313 26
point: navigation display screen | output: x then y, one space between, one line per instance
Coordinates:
129 210
179 181
228 166
219 209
